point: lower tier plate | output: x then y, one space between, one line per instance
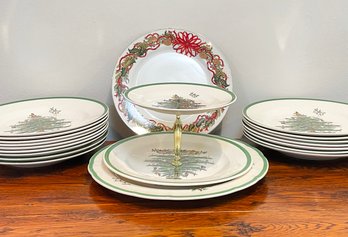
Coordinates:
205 159
103 176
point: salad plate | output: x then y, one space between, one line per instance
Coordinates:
180 98
169 55
300 116
103 176
48 117
206 159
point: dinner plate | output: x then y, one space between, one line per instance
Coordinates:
303 116
295 144
55 140
297 153
103 176
180 98
46 117
206 159
329 152
169 55
43 163
297 137
50 161
51 156
42 151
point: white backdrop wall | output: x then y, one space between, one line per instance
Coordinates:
275 48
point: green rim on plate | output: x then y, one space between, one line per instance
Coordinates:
36 125
229 190
306 117
155 180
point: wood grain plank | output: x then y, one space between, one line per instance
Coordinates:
296 198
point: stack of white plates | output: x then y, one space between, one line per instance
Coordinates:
45 131
212 166
302 128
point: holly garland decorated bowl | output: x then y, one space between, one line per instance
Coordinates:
169 55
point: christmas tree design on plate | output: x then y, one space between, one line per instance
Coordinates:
313 124
178 102
38 123
193 162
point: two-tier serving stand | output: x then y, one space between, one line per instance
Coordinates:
179 99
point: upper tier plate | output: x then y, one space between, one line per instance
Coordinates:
169 55
180 98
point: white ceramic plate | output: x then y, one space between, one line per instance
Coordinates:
206 159
341 140
294 144
180 98
53 141
43 163
54 150
296 153
300 116
103 176
53 144
45 117
169 55
33 157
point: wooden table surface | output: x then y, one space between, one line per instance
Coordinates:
296 198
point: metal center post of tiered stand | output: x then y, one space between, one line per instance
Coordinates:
177 141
